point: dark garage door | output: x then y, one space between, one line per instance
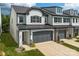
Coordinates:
62 34
42 36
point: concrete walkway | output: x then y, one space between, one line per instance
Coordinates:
71 42
51 48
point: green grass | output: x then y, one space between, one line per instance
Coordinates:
70 46
8 45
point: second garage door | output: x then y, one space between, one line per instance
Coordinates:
42 36
62 34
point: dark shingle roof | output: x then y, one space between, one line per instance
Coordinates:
33 27
20 9
29 27
24 10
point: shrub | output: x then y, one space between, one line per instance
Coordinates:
32 45
2 46
61 42
77 37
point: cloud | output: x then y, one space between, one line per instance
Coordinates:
24 4
18 4
71 6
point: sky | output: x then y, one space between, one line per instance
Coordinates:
7 7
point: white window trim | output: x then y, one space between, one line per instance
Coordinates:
18 19
36 22
58 22
66 17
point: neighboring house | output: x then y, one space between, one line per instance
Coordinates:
0 23
33 24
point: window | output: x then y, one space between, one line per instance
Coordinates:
66 20
21 18
35 19
73 20
76 20
59 10
57 20
46 19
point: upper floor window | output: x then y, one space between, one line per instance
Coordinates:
66 20
35 19
21 19
59 10
57 19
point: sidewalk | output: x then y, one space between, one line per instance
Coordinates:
54 49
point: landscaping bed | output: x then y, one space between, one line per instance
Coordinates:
8 46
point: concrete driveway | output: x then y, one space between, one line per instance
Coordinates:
51 48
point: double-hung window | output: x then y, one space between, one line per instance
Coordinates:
59 10
57 19
21 19
35 19
66 20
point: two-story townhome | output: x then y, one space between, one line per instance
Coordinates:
0 23
34 24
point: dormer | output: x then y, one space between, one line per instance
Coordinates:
54 9
71 12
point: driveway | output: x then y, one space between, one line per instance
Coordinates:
51 48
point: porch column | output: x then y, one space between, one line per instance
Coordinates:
56 35
31 37
78 31
53 35
71 30
67 33
20 38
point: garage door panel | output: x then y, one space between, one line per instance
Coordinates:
62 34
42 36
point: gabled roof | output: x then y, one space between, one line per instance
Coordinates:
25 10
20 9
54 14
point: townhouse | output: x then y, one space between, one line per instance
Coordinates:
33 24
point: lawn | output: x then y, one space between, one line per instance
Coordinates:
8 45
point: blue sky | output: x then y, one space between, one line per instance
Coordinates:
49 4
6 7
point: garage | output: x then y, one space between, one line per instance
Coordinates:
62 34
42 36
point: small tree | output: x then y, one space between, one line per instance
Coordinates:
5 23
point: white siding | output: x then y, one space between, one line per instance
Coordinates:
50 19
13 27
35 12
75 23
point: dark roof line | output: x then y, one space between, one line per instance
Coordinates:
23 9
52 7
